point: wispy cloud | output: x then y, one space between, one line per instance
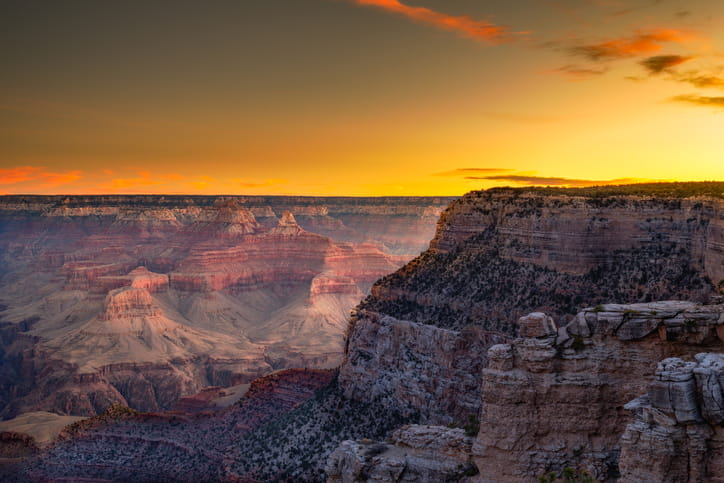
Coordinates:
468 172
464 25
703 81
528 180
660 63
246 183
628 10
578 72
18 174
638 44
38 174
704 101
143 179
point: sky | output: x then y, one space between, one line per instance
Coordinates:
357 97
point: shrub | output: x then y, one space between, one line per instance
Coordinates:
472 427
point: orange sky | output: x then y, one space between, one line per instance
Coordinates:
358 97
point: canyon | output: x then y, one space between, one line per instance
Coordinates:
144 300
545 335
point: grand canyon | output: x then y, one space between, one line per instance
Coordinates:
544 334
141 301
385 241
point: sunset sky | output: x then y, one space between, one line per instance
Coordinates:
357 97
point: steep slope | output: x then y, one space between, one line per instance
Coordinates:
503 253
123 444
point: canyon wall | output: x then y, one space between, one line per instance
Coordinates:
562 401
551 390
532 322
503 253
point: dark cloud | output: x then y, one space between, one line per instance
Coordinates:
641 43
659 63
580 72
683 13
702 80
555 181
470 171
700 100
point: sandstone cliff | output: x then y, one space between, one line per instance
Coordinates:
503 253
677 434
557 401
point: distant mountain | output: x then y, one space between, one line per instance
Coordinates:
141 300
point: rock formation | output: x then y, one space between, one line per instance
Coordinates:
501 254
677 434
424 454
555 398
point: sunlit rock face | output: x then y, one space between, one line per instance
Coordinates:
141 300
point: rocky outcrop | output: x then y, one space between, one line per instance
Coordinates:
425 454
418 368
555 398
677 434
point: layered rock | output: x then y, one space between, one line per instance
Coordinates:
503 253
555 398
418 368
425 454
677 434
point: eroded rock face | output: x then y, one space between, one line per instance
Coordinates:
426 454
503 253
677 434
418 368
553 400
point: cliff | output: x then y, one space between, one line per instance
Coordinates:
503 253
557 401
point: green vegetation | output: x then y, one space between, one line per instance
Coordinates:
578 344
474 285
714 189
472 427
568 475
